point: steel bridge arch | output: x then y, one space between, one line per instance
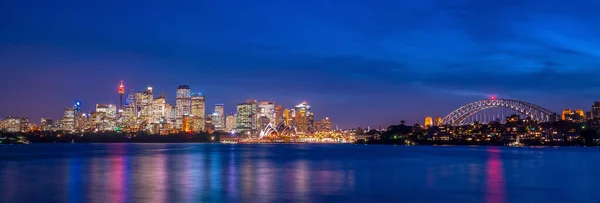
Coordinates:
458 116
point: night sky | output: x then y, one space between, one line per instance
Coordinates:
359 62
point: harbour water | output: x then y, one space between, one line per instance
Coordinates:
296 173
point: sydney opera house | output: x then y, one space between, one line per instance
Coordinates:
278 131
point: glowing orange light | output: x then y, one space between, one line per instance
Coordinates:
121 88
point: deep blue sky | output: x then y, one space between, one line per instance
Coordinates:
359 62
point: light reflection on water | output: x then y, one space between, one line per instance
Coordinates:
295 173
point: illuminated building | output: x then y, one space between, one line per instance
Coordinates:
208 125
302 114
596 110
230 123
438 121
267 110
67 123
186 123
183 103
218 117
121 91
103 119
324 125
246 117
158 110
279 114
169 114
128 117
580 112
199 112
263 121
428 122
143 104
15 124
573 116
46 124
565 113
280 130
287 117
513 118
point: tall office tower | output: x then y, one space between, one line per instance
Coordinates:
199 112
246 117
279 114
267 109
143 102
230 122
169 114
158 112
596 110
68 120
287 117
121 91
438 121
128 118
428 122
302 114
218 118
183 103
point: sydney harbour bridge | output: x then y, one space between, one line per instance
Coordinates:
493 109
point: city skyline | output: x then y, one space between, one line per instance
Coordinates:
402 61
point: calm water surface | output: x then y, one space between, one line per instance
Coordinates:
295 173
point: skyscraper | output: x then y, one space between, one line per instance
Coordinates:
218 118
183 104
158 111
230 123
246 117
302 114
287 117
67 123
267 110
199 112
143 103
279 114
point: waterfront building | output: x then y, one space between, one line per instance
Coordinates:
183 104
199 112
